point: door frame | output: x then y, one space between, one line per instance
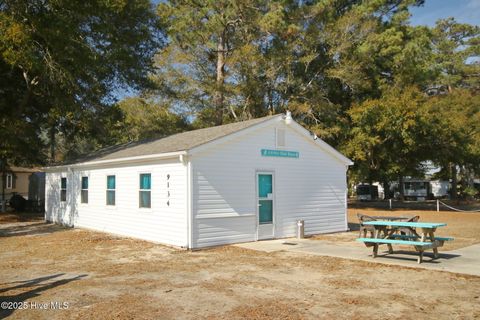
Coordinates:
257 198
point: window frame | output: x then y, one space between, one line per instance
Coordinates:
82 190
140 191
111 190
9 181
63 191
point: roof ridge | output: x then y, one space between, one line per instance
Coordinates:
180 141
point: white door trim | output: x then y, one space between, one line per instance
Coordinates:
264 231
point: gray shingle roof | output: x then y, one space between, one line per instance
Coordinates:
177 142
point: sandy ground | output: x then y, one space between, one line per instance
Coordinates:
105 277
464 227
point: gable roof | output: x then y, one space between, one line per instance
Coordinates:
175 143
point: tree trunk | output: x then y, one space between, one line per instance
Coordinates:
401 187
52 143
219 99
3 167
370 185
453 174
386 190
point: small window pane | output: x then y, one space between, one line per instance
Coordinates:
84 196
63 189
145 199
110 197
264 185
84 182
145 181
110 182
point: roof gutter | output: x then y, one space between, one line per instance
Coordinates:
166 155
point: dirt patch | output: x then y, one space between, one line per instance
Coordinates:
103 276
464 227
7 217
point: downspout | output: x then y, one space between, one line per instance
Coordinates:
346 199
185 160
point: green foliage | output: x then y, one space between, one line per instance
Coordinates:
455 118
60 62
142 119
390 136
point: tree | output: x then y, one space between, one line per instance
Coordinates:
143 119
456 48
203 35
456 119
61 59
391 136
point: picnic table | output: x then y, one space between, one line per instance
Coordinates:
386 232
364 229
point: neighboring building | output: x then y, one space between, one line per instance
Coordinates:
18 180
238 182
440 188
366 192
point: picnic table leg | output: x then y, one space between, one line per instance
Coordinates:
375 250
420 256
435 250
390 249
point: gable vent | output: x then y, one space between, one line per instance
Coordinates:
280 137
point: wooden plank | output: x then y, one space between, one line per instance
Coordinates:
393 241
404 236
405 224
435 250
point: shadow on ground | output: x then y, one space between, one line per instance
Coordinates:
413 255
34 288
31 229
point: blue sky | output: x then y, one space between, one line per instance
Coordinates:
465 11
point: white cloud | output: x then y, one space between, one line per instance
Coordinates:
473 4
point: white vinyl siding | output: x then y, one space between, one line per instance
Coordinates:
208 196
311 187
163 223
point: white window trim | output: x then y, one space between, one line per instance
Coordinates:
110 206
66 189
81 189
9 181
145 209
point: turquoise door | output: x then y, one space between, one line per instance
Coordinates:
265 198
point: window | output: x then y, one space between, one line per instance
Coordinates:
84 192
110 190
145 187
280 137
63 189
9 180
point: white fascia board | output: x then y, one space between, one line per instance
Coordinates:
235 134
322 144
117 161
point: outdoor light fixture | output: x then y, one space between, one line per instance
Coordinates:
288 117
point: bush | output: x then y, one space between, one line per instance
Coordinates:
18 202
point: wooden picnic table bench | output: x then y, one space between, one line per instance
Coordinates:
386 233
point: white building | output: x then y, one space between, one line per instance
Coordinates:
238 182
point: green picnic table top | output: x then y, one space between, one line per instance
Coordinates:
405 224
